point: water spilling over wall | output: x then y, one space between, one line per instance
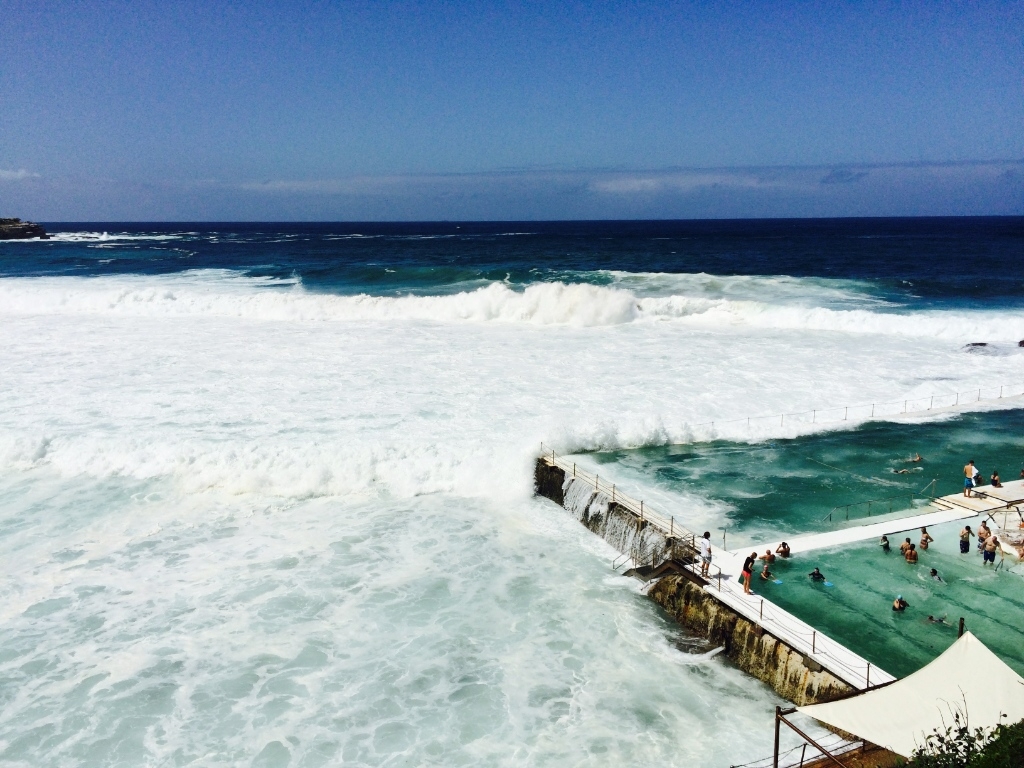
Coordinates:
682 595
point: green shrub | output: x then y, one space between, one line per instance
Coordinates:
961 747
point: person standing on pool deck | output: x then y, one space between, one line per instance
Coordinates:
965 540
926 538
748 567
969 471
705 553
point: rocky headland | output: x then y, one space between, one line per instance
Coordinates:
16 229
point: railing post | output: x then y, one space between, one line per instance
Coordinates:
1000 390
979 395
782 420
957 399
931 402
905 406
868 685
671 525
872 410
814 416
613 493
814 642
760 615
574 469
775 755
846 411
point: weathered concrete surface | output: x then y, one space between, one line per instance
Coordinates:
798 679
548 480
613 522
793 676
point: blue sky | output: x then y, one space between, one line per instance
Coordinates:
431 110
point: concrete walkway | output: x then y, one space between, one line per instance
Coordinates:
984 502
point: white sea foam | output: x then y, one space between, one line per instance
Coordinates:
220 293
108 237
244 522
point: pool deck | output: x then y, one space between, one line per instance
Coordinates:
984 503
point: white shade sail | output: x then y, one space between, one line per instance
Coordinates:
967 678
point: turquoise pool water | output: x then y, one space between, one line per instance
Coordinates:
781 489
857 608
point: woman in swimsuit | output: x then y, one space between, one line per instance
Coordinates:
748 567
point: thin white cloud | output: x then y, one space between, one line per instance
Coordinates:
19 175
682 181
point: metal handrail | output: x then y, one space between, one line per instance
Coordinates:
643 511
889 499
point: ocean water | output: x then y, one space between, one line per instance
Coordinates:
266 490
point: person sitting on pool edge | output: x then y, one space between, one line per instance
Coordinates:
911 555
783 549
995 480
899 604
816 575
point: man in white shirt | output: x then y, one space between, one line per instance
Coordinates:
705 553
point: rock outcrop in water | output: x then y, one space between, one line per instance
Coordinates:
16 229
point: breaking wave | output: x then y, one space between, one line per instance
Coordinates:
696 300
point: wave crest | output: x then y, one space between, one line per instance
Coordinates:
226 294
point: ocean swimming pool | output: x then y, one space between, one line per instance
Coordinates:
758 492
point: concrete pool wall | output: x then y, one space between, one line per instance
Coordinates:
682 594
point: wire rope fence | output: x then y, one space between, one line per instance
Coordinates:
804 754
868 411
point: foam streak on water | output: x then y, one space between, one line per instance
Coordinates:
246 523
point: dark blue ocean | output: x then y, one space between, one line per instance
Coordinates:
975 262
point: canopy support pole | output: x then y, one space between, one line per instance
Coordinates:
779 718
